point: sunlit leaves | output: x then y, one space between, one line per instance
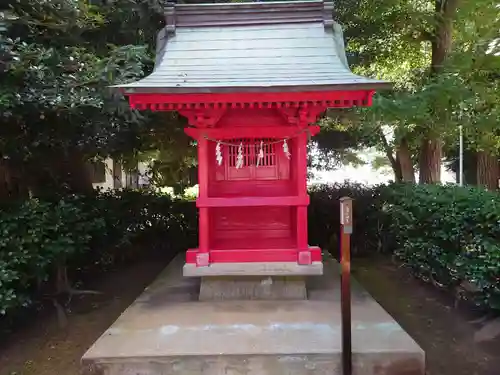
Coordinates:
390 39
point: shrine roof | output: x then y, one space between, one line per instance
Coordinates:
250 47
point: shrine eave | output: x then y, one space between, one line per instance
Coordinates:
260 99
276 48
351 85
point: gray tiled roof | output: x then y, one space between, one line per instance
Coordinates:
249 47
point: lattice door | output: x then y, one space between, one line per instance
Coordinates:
253 166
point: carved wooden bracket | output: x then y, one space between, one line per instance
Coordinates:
302 116
203 118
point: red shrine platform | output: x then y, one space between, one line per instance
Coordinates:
252 79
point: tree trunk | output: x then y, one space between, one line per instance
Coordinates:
403 155
442 39
389 152
78 177
431 150
12 182
430 161
487 170
396 168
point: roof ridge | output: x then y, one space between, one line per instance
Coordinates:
248 13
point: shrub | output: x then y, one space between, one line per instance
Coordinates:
369 221
445 233
40 239
448 234
37 236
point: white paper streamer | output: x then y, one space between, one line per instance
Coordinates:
285 149
239 158
260 156
218 153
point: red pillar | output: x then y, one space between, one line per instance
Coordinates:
202 258
304 256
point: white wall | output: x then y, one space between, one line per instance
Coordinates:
109 184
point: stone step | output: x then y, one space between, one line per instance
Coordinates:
163 333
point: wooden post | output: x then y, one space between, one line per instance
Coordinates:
300 159
345 282
203 256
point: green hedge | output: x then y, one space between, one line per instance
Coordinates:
450 235
369 225
447 234
39 238
444 233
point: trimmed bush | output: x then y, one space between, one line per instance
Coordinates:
42 240
447 234
450 235
35 236
370 224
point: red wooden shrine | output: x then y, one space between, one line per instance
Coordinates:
252 134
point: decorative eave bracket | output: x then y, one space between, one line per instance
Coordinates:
223 101
200 118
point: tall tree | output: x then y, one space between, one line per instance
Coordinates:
441 37
434 52
58 59
475 59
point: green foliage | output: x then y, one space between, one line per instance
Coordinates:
392 40
35 236
58 59
83 232
448 234
324 217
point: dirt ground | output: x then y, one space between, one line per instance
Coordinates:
42 348
445 333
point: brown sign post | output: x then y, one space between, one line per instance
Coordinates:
346 223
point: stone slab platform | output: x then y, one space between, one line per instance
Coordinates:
167 331
254 269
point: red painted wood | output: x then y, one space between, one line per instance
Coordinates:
301 181
254 255
253 117
253 201
203 217
255 238
253 227
179 102
278 132
257 213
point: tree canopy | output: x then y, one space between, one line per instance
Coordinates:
58 58
442 56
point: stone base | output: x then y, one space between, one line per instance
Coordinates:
254 269
168 331
252 288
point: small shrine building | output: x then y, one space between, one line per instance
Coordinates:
252 80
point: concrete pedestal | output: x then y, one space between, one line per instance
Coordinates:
168 331
226 288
